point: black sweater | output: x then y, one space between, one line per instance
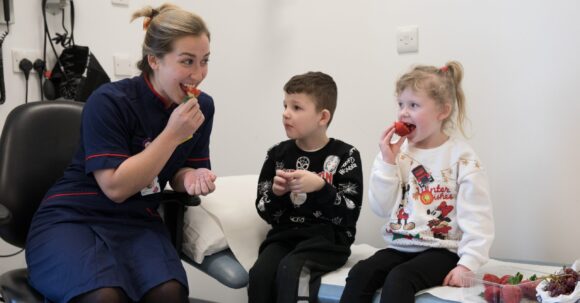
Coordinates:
337 203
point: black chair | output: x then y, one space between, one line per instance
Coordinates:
37 143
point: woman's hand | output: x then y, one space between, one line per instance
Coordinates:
199 181
453 278
185 120
390 150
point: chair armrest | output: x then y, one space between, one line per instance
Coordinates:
174 206
224 267
5 214
15 287
170 196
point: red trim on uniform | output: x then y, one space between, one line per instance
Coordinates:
106 155
166 103
197 159
152 213
71 194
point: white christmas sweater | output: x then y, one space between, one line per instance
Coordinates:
435 197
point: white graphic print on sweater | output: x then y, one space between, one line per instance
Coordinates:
427 213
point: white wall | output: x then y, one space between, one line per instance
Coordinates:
521 80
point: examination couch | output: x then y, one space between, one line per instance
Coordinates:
227 227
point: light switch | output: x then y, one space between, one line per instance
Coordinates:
123 65
407 39
120 2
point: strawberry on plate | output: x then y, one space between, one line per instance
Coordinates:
403 129
491 294
504 279
511 294
529 288
491 278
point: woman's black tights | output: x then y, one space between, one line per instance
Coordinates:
170 292
102 295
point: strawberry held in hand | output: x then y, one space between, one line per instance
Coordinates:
403 129
191 91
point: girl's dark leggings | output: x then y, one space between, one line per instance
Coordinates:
400 275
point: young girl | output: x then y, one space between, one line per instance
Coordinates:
432 189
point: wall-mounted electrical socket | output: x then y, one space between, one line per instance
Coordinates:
19 54
407 39
55 6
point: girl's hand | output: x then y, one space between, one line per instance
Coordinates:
390 150
453 278
303 181
280 185
184 120
199 181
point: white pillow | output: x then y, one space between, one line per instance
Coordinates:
233 205
226 218
202 235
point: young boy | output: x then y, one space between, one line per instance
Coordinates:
310 191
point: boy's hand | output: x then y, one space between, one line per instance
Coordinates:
199 181
390 150
453 278
303 181
280 184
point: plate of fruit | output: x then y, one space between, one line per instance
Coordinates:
562 286
502 284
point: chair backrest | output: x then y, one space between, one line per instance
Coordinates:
38 142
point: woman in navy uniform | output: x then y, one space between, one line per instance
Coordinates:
97 236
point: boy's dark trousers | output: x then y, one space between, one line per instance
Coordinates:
400 275
292 261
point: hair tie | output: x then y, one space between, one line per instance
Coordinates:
154 13
146 22
444 69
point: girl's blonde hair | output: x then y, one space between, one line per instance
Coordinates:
442 84
164 25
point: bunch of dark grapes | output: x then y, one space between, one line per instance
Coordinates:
562 283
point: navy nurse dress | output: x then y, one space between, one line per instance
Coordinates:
79 239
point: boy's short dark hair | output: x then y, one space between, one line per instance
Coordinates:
318 85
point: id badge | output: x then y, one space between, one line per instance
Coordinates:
152 188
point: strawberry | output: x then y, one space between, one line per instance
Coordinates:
403 129
191 92
529 288
491 278
505 279
491 294
511 294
